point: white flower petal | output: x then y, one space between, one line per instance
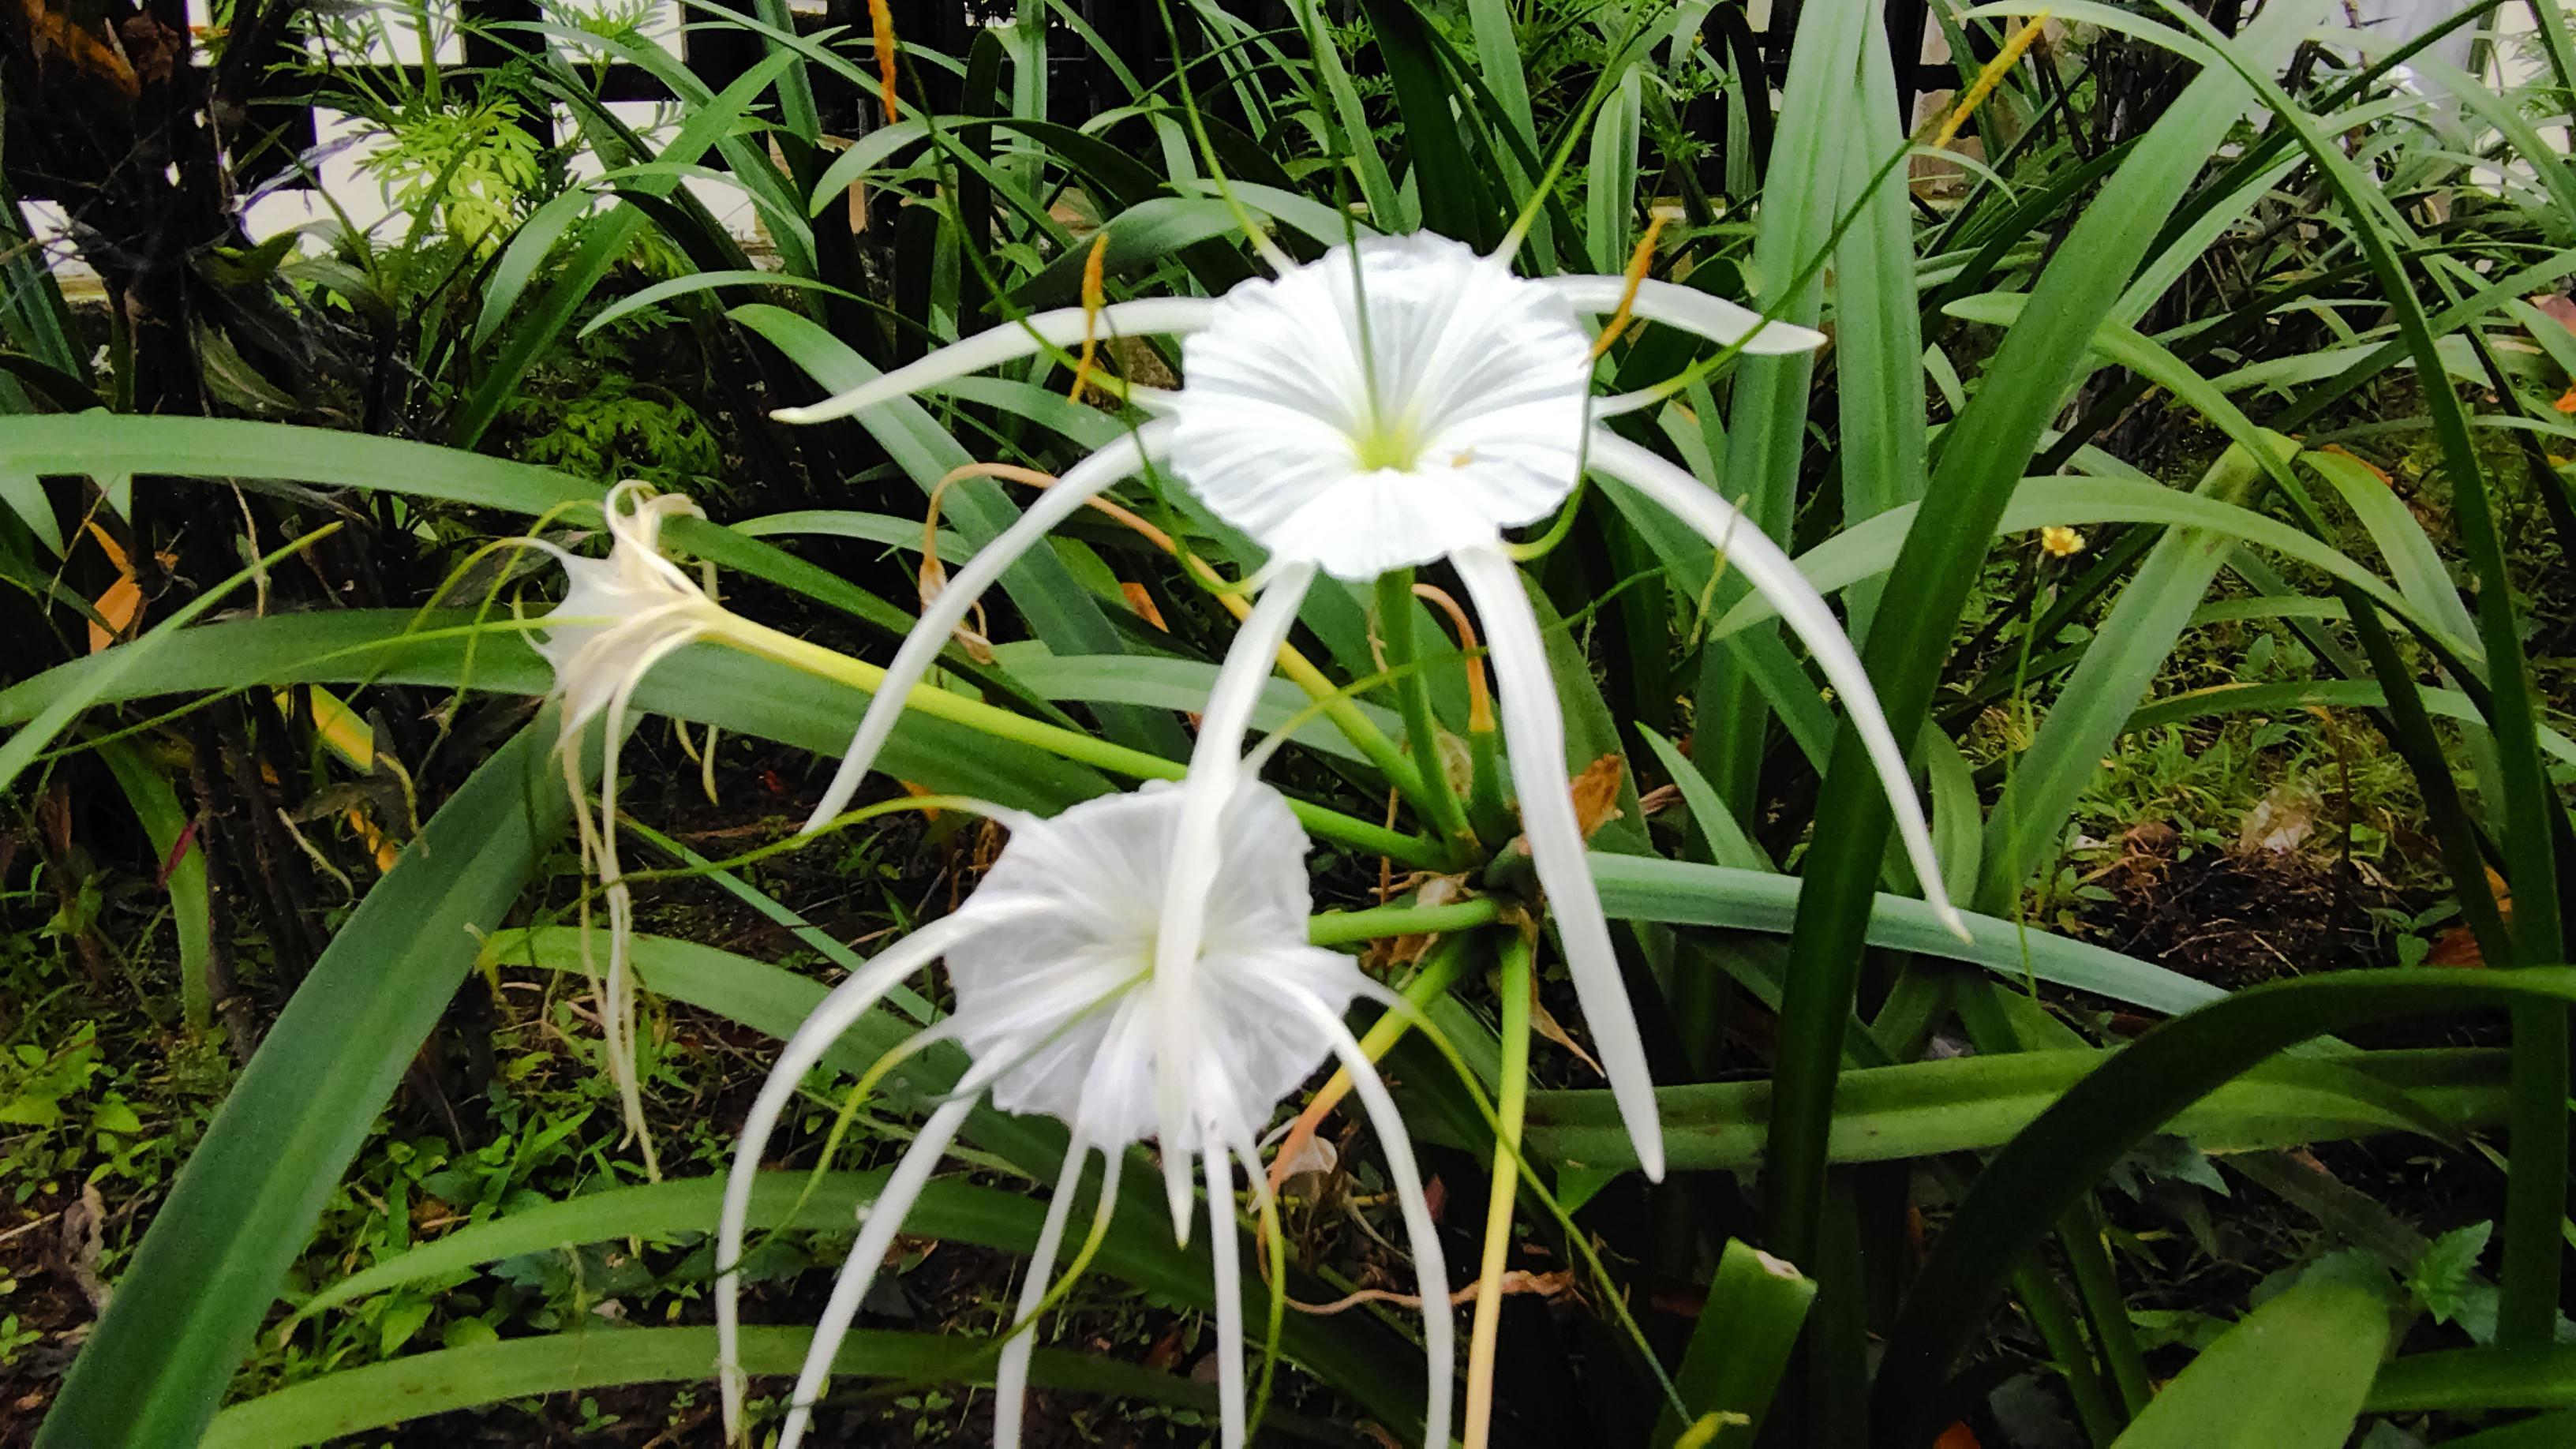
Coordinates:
617 997
1083 892
1216 765
942 615
1227 1271
1430 1267
1764 566
1063 327
1011 1375
849 1001
1383 405
1692 310
1534 734
882 1219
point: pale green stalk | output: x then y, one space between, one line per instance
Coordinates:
1512 1107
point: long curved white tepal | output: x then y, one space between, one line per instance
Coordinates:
1430 1266
1748 550
941 616
1216 766
1534 737
884 1218
1011 1375
1030 335
855 997
1692 310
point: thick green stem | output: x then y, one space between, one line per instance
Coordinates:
1395 611
1340 928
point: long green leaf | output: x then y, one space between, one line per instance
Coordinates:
1977 1103
2019 1196
1878 334
1684 894
2291 1376
382 1395
157 805
1453 202
706 683
1766 425
245 1204
2479 1378
103 446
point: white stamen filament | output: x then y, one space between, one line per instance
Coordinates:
1773 573
1008 342
921 647
1534 730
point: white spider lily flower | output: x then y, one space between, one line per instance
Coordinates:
1396 402
620 616
1062 1006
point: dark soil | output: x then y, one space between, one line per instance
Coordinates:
2237 919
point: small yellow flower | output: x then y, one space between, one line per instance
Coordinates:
2059 541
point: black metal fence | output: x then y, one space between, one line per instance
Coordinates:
1079 83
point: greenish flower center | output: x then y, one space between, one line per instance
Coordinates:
1397 446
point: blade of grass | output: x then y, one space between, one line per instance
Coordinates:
235 1220
2023 1191
1943 554
2533 815
378 1396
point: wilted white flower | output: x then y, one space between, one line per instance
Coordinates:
623 614
1395 402
1063 1006
620 616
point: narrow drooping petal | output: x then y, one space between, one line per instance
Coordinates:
1228 1270
883 1218
1772 572
1063 327
617 997
1688 308
1430 1266
1216 765
1534 734
943 614
852 999
1011 1375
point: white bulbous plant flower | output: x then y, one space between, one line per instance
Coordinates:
1060 1004
620 616
1398 401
